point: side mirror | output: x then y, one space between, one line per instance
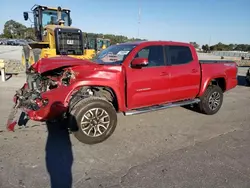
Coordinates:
25 16
139 62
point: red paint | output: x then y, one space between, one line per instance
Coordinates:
11 126
133 87
139 62
47 64
211 71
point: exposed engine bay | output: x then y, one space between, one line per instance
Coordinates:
30 95
53 88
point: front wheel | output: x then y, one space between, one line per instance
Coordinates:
211 101
95 120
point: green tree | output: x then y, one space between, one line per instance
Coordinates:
13 29
113 38
248 48
212 48
195 44
242 47
232 47
205 48
30 33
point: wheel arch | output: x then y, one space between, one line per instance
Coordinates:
220 81
99 91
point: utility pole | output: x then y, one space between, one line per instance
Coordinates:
139 19
209 41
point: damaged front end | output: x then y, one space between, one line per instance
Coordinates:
43 96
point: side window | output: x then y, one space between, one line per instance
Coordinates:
179 54
143 53
154 54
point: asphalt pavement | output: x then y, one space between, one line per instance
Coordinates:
169 148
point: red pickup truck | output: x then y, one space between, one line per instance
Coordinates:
132 78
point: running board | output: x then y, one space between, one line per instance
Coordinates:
161 107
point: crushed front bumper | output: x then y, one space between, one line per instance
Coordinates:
56 105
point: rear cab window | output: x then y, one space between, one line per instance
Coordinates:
178 55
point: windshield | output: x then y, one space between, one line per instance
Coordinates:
114 54
50 17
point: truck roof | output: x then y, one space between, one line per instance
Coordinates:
156 42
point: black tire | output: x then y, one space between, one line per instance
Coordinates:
248 78
25 57
81 109
211 91
37 53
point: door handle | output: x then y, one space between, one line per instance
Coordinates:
164 74
194 70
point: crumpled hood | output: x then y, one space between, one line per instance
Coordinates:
47 64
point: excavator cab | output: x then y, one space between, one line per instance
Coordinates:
95 44
46 16
99 44
107 42
103 43
91 43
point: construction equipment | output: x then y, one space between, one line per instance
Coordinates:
102 43
98 43
106 43
54 36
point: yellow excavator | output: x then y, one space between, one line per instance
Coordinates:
54 36
102 43
97 43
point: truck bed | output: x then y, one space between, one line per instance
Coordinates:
225 70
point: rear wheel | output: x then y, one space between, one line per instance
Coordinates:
94 118
211 101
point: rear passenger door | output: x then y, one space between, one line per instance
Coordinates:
184 72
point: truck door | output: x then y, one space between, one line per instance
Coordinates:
184 72
148 85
